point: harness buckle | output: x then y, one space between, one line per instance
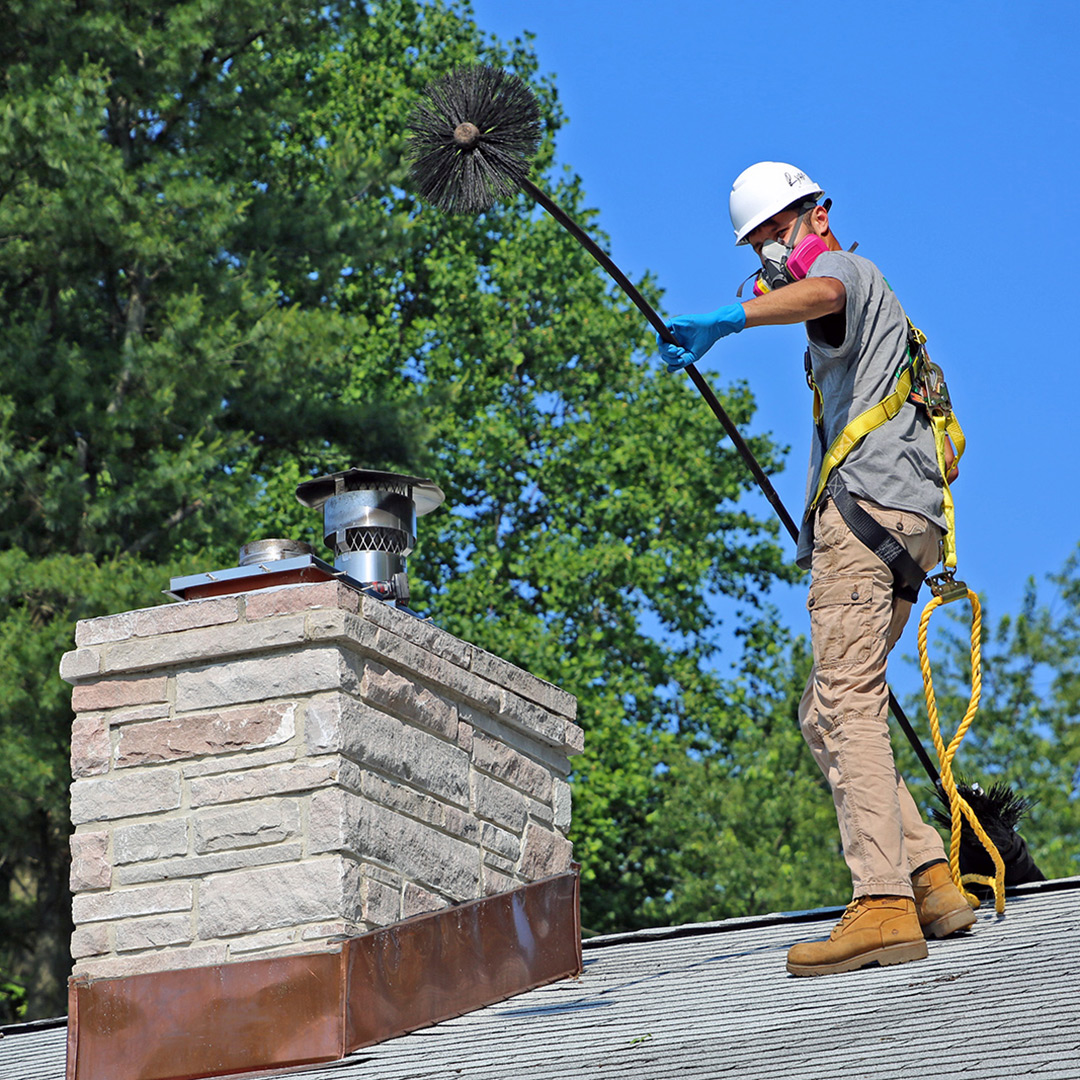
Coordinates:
946 587
934 391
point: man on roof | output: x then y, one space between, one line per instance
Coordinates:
888 484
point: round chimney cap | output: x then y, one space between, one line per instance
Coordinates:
425 495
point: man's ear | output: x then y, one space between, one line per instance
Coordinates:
819 221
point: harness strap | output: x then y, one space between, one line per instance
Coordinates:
908 575
921 382
947 427
860 427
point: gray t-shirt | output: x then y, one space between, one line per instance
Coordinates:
895 465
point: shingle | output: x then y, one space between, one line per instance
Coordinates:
712 1001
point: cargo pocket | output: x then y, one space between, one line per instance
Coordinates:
921 537
900 523
841 620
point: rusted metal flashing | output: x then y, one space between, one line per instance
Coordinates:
430 968
206 1021
284 1012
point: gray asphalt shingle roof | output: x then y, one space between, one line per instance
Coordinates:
713 1000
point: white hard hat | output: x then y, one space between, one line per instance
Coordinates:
765 189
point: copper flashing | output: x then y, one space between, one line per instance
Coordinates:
430 968
301 570
283 1012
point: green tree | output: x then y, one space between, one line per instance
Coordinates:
215 282
748 823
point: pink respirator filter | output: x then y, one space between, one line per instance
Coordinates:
802 258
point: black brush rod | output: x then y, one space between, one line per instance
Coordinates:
665 333
658 324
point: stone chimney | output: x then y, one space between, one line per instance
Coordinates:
272 772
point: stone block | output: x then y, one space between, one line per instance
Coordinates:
198 646
420 632
380 873
249 901
392 693
80 664
131 795
464 735
406 753
493 881
452 681
405 800
495 802
562 799
150 840
90 864
169 959
90 940
539 811
574 739
500 842
545 853
328 624
340 821
131 903
191 867
288 779
381 903
119 692
269 821
153 933
201 734
553 758
338 930
287 599
134 713
419 901
250 759
271 940
504 866
524 684
322 724
90 745
106 628
527 716
186 615
285 675
511 767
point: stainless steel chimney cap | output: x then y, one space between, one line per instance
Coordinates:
425 495
369 521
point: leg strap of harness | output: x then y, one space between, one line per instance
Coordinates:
908 576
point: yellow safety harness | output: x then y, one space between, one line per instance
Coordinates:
919 380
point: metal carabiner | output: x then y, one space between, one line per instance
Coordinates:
946 587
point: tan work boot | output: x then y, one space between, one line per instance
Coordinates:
874 930
941 905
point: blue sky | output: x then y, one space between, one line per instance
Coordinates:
947 135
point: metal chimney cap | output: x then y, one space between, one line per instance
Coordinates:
425 495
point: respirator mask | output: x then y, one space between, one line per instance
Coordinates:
784 263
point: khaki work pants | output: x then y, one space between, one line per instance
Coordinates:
855 620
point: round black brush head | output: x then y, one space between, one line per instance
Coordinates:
999 810
473 135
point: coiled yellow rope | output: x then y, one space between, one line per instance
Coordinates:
957 803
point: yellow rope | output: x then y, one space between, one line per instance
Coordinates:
957 803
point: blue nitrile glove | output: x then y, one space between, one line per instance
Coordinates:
697 334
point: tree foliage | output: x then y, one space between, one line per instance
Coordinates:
215 282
